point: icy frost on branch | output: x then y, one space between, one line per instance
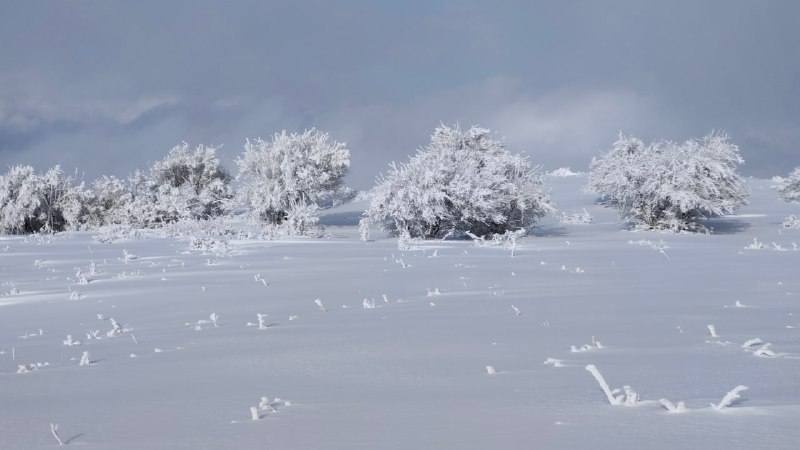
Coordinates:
615 398
730 398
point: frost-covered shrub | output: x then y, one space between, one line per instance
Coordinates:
789 187
287 179
31 203
791 222
563 172
216 227
670 186
789 190
582 217
109 202
184 185
115 233
19 199
463 181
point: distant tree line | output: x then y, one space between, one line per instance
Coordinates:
463 183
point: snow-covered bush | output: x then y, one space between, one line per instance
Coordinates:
463 181
789 188
670 186
221 226
286 180
507 240
19 199
115 233
184 185
791 222
568 217
31 203
563 172
109 202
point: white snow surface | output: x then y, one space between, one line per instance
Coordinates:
187 359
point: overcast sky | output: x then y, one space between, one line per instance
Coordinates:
109 87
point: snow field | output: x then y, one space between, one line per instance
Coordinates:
410 372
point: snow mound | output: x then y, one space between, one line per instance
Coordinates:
564 172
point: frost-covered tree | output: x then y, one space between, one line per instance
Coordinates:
31 202
184 185
109 202
670 186
286 179
19 199
462 182
63 202
789 190
789 187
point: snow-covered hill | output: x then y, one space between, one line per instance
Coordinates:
443 345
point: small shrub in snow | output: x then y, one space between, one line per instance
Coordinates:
93 334
208 245
586 347
612 396
791 222
789 187
463 181
287 179
368 303
580 218
116 328
507 240
262 321
765 351
671 407
54 431
554 362
751 342
115 233
631 397
265 405
627 396
756 245
730 398
212 319
69 342
563 172
670 186
85 361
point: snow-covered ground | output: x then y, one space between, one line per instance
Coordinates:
410 372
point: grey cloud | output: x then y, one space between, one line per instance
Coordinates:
110 86
554 130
